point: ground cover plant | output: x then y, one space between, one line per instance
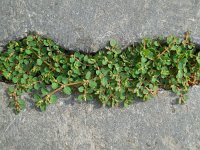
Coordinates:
113 76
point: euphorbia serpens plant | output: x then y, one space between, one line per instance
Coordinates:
112 76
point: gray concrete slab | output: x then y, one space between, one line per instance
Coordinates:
157 124
87 25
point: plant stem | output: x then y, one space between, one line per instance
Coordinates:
61 87
53 69
159 55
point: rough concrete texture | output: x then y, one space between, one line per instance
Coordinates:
87 25
153 125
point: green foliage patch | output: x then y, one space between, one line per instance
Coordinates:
112 75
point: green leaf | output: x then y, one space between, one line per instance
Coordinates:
126 104
110 66
58 69
174 88
25 76
104 81
44 91
174 47
32 43
36 49
46 43
165 71
85 58
72 60
156 43
67 90
23 81
154 79
28 51
30 38
39 62
55 47
105 62
11 89
91 61
180 74
105 71
92 84
21 103
148 54
80 98
53 99
43 107
113 42
170 39
64 80
81 89
54 85
198 58
19 92
98 72
15 80
36 86
88 75
36 97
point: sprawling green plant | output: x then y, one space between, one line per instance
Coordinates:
112 75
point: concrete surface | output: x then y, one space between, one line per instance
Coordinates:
87 25
157 124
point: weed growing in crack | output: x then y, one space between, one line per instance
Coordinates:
112 75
